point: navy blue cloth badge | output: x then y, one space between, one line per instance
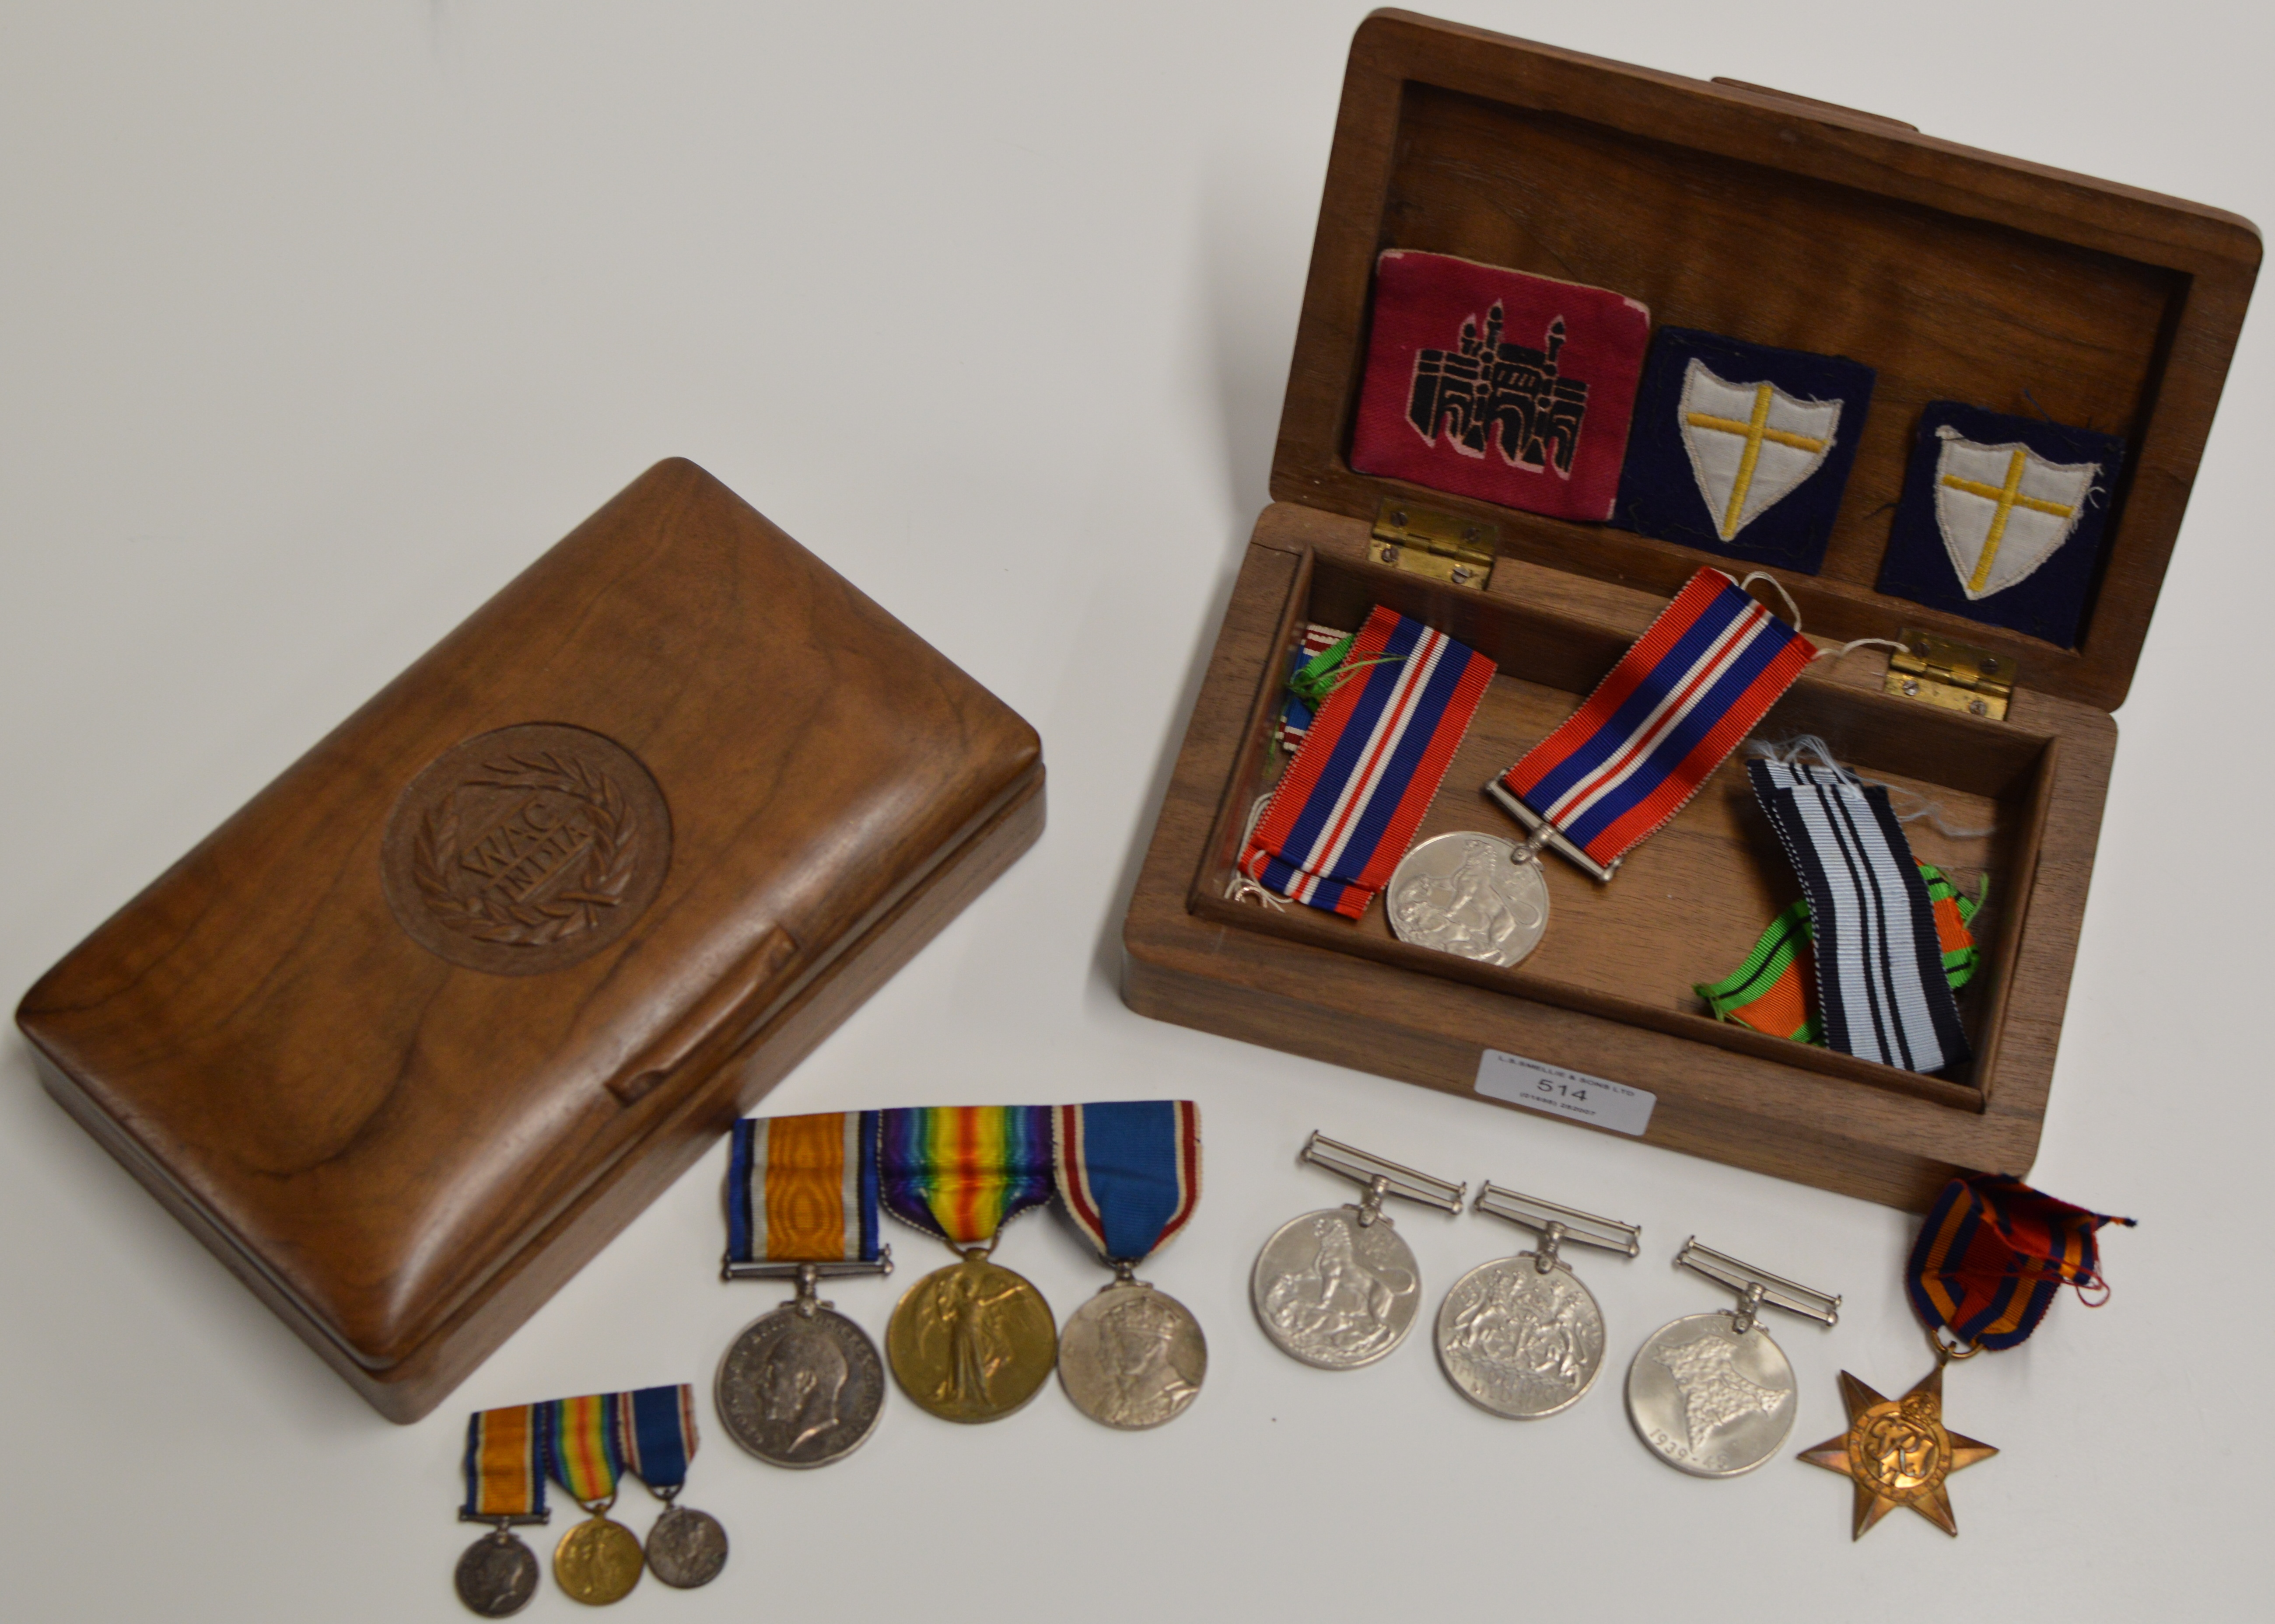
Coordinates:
2002 520
1742 449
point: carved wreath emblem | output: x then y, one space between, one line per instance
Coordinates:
564 850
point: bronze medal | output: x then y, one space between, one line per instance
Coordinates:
1898 1452
598 1561
971 1342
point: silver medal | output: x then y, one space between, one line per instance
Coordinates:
686 1547
1132 1356
498 1576
1473 895
1521 1336
1711 1394
803 1385
1339 1288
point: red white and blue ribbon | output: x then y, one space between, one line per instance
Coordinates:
1673 709
1352 798
1880 980
1129 1173
655 1430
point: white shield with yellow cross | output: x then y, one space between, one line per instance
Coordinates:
2004 510
1750 443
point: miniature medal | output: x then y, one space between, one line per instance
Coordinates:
1521 1336
802 1385
598 1561
686 1547
505 1485
1990 1257
1338 1289
1711 1393
1129 1175
1472 895
972 1341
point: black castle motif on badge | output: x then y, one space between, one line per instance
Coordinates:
1489 390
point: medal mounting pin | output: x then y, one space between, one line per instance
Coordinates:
1556 1224
808 1276
1378 1178
1757 1288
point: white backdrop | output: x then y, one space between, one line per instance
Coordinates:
317 323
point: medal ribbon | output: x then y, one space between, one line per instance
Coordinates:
1775 990
1880 980
1677 704
1992 1253
1374 756
655 1428
803 1189
505 1463
963 1172
1129 1173
584 1445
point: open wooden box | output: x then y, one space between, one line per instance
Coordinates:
1957 274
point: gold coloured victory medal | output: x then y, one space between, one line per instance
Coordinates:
973 1341
1898 1452
598 1561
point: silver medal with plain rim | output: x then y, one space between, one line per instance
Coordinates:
1709 1400
800 1387
1520 1342
686 1547
1132 1357
498 1576
1334 1292
1467 895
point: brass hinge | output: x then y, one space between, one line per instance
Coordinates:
1442 546
1952 676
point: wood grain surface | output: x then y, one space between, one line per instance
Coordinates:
405 1155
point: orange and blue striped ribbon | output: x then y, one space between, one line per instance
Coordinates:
803 1189
655 1435
1129 1173
584 1445
962 1172
1992 1254
505 1465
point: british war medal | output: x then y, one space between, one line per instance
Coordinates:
803 1385
973 1341
1990 1256
1129 1175
656 1437
1521 1336
598 1561
1339 1288
505 1486
1711 1394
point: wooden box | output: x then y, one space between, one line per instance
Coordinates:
1786 222
413 1034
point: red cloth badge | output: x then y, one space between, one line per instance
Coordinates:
1490 383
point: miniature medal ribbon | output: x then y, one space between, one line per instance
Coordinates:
803 1189
584 1445
655 1435
1775 990
1374 758
1129 1173
1880 980
1678 703
506 1464
963 1172
1992 1254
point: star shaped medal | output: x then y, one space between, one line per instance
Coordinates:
1985 1270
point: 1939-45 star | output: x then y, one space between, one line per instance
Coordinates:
1898 1452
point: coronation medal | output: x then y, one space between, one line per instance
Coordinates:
803 1385
1990 1258
598 1561
656 1428
1129 1175
973 1341
1338 1289
1521 1336
1711 1394
505 1486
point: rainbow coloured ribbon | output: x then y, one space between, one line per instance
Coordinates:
803 1188
1129 1173
963 1172
1992 1254
505 1466
584 1446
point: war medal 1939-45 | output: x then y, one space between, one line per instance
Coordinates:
505 1486
1991 1258
1711 1393
686 1547
1339 1288
973 1341
1129 1175
598 1561
1521 1336
803 1385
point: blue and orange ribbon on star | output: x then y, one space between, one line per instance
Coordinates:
1992 1254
